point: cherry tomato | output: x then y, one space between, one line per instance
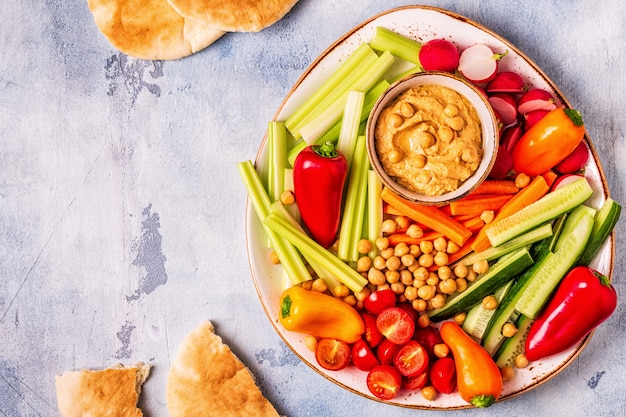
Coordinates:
396 325
378 301
332 354
384 381
409 309
372 336
428 337
411 359
386 352
413 383
443 375
362 356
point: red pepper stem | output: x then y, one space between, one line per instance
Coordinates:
604 280
574 116
326 150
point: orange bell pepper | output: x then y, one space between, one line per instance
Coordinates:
320 315
479 380
548 142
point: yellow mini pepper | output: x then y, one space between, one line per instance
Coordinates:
320 315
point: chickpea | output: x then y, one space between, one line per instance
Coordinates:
287 197
407 259
363 294
406 277
351 300
426 260
424 176
461 271
319 285
392 276
415 231
429 393
382 243
395 155
445 134
469 155
384 286
415 250
341 291
481 267
421 273
471 275
274 259
426 292
419 305
364 246
447 286
438 301
444 271
387 253
397 288
417 283
419 161
389 226
426 140
379 263
310 342
441 350
521 361
509 330
395 120
451 110
407 109
426 246
440 244
460 318
441 259
401 249
522 180
507 372
410 293
461 284
307 285
363 264
393 263
433 279
403 222
456 123
376 277
487 216
452 247
490 303
423 321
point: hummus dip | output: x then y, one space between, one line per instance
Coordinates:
429 139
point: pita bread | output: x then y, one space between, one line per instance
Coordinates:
150 29
206 379
111 392
234 15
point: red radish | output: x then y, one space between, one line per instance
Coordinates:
564 180
505 105
478 63
439 55
575 161
511 136
532 117
535 99
506 82
503 165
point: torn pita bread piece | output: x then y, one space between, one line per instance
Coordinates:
234 15
206 379
150 29
101 393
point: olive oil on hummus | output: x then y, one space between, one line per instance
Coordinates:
429 139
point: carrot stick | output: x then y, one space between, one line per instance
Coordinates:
476 205
429 216
537 188
550 176
496 187
453 257
474 224
404 238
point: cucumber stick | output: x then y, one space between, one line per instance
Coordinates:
502 271
553 268
478 317
513 346
603 225
548 207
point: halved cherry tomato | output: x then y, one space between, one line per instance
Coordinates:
386 352
396 325
411 359
428 337
380 300
362 356
413 383
332 354
384 381
372 335
443 375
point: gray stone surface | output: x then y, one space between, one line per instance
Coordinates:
122 212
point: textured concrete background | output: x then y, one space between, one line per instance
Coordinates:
122 212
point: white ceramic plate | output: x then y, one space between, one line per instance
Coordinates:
421 23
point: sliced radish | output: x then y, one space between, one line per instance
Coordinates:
564 180
439 55
511 136
532 117
478 63
575 161
505 105
503 165
506 82
535 99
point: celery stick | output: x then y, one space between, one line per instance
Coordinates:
288 182
332 134
344 273
315 125
334 86
399 45
354 205
277 140
350 124
289 257
374 210
410 71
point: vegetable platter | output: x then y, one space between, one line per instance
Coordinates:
420 23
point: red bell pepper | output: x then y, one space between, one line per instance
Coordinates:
584 299
319 175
